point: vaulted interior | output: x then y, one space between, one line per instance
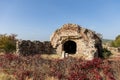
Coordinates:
69 47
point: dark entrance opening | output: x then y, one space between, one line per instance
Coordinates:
99 47
69 47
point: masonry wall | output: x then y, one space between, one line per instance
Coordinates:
27 47
89 45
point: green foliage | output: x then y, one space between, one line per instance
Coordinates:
116 42
7 43
106 53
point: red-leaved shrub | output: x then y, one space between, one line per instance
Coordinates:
37 68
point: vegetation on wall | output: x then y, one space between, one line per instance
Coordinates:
7 43
99 35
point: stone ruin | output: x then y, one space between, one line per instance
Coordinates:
27 47
76 41
69 40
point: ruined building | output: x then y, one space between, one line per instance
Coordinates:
70 39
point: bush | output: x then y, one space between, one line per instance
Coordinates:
106 53
37 68
7 43
116 42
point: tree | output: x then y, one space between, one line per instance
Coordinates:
7 43
116 42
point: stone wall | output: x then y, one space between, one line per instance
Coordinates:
27 47
70 39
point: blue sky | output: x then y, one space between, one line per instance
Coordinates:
38 19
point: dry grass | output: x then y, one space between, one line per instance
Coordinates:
51 56
115 65
1 53
51 78
4 76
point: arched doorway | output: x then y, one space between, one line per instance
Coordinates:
69 47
